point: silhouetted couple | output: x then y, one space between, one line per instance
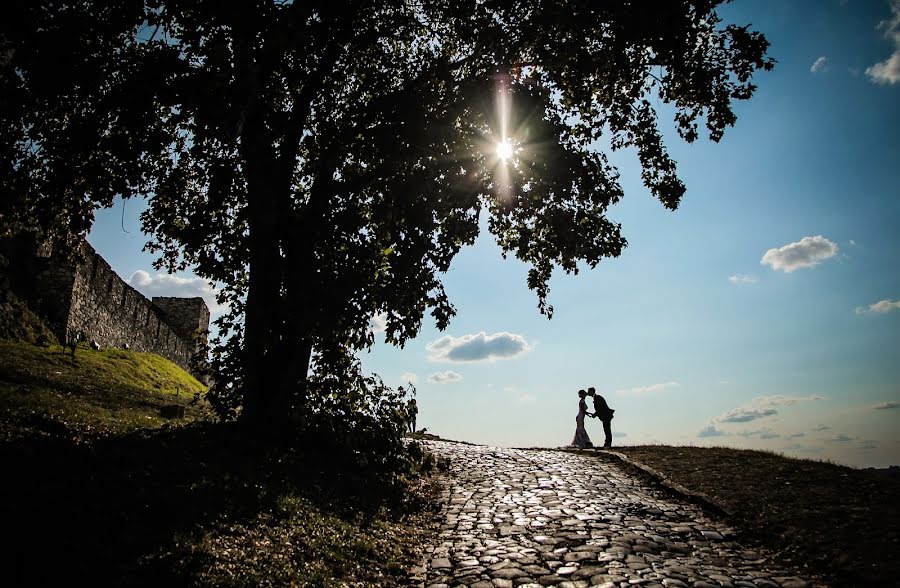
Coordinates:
602 411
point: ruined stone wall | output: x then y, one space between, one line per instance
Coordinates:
114 314
87 296
189 317
35 277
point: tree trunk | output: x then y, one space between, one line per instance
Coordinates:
263 397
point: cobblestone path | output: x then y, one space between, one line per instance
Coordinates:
532 518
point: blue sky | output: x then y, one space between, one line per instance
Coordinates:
689 335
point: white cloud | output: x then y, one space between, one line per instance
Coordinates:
742 279
761 433
409 378
477 347
888 71
795 435
818 65
761 407
807 252
172 285
880 307
745 414
822 428
447 377
890 404
649 389
711 431
378 323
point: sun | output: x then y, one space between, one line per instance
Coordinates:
504 149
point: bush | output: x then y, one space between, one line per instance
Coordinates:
360 422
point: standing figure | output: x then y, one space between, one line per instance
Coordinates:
603 412
411 411
581 438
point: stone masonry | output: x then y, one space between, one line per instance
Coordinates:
87 296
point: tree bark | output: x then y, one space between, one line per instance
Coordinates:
263 397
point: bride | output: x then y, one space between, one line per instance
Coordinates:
581 438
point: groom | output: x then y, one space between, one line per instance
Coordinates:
603 412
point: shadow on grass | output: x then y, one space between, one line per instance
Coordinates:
96 512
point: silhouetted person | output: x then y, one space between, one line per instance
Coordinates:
603 412
411 411
581 439
72 341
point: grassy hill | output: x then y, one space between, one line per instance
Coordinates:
844 523
99 488
101 392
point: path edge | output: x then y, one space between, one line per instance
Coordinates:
671 485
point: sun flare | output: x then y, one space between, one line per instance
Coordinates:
504 149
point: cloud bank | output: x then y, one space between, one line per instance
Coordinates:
807 252
887 72
447 377
760 408
477 347
171 285
890 404
745 414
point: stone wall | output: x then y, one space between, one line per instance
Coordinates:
87 296
189 317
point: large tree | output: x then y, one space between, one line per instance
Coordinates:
325 161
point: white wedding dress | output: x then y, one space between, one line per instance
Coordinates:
581 438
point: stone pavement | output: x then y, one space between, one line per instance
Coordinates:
533 518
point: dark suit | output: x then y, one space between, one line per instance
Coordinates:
603 412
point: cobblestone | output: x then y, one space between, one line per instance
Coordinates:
534 518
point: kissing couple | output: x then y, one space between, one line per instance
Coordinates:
602 411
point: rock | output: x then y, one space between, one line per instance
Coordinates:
172 411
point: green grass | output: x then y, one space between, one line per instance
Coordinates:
101 392
116 495
842 522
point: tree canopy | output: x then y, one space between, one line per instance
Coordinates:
325 161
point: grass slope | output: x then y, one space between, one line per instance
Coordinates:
102 392
843 522
99 489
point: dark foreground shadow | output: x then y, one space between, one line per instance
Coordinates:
91 513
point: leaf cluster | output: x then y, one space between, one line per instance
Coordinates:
325 161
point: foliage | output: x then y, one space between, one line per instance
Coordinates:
325 162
